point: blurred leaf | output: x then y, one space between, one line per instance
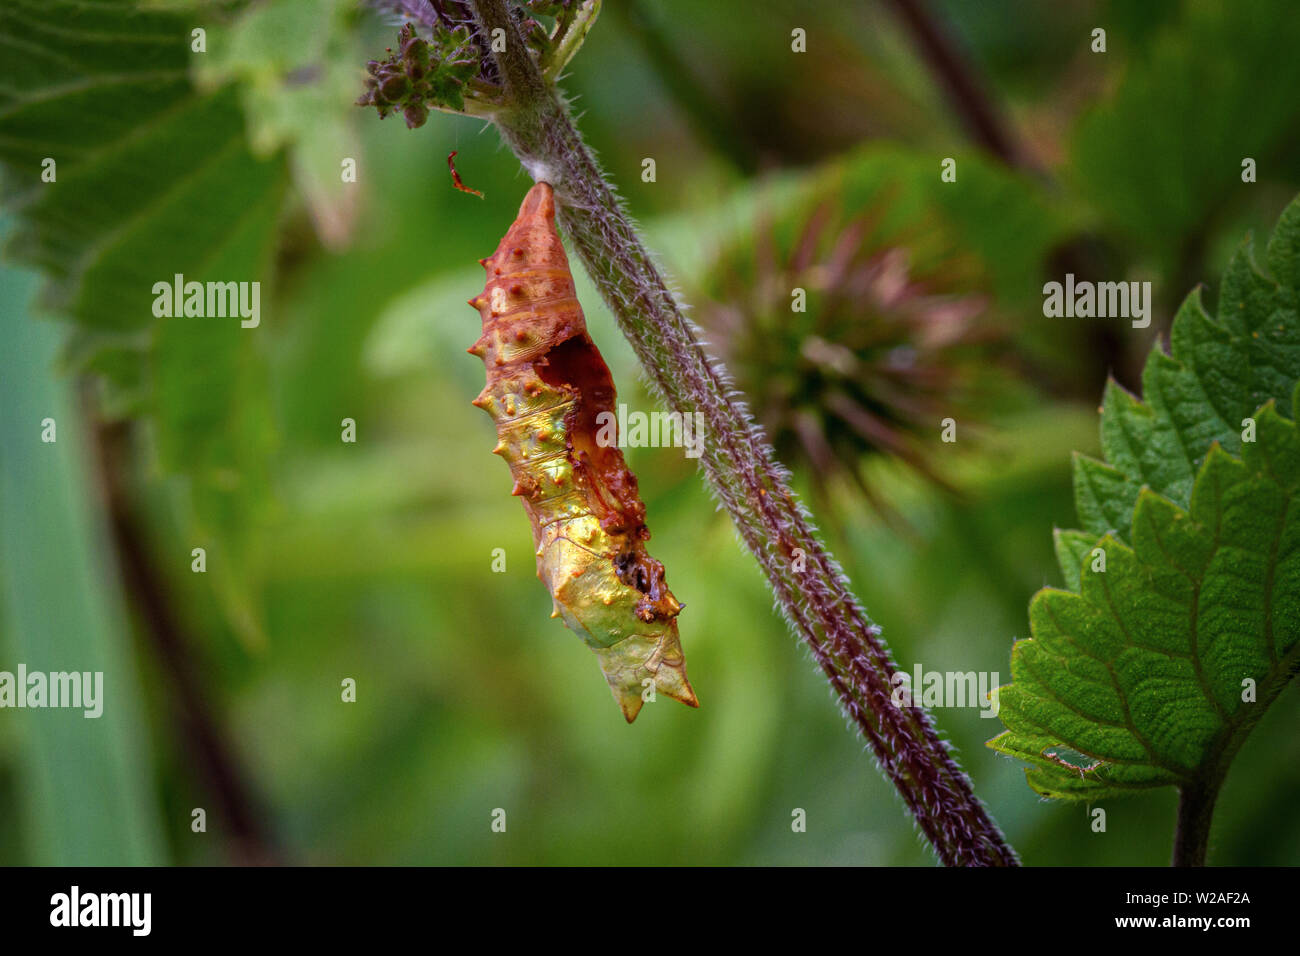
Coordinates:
299 71
1213 87
1134 678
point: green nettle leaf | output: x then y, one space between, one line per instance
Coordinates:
123 174
1181 622
1166 99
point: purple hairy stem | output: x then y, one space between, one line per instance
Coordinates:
809 586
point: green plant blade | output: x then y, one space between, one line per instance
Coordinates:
87 790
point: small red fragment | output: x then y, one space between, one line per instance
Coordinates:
455 176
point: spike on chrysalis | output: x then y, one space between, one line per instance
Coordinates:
546 385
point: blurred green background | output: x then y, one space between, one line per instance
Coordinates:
372 561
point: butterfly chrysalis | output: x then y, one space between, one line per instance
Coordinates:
546 386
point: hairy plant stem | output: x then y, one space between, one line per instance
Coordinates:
1195 812
809 586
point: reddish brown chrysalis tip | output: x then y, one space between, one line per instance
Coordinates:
455 176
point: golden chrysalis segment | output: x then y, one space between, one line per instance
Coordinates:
546 385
